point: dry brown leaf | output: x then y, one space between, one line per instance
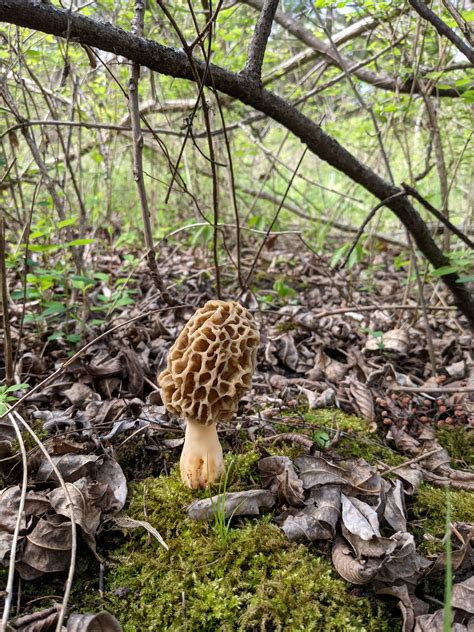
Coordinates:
247 503
325 366
314 470
6 541
403 441
79 394
287 351
320 400
395 513
304 526
463 595
85 512
354 571
71 467
41 621
404 563
112 475
101 622
359 518
411 476
395 340
363 399
47 548
279 476
410 605
135 373
327 501
103 365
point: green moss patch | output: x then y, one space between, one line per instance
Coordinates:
254 580
429 510
459 442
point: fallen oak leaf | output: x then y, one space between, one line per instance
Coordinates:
410 605
463 595
395 513
246 503
304 526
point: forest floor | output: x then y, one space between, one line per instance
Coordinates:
360 418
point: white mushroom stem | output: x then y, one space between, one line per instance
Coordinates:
201 460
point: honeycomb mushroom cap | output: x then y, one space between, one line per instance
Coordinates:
211 363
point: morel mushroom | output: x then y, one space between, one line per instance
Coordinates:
209 368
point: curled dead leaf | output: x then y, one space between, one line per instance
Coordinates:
101 622
350 569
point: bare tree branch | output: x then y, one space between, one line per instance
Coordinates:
258 43
133 102
465 27
171 62
385 82
443 29
444 220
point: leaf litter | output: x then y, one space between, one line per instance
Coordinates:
319 351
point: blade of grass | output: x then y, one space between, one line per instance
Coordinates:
448 575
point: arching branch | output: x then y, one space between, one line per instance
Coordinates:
171 62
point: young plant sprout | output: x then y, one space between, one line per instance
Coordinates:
209 368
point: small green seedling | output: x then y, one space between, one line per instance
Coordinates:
221 523
6 398
448 574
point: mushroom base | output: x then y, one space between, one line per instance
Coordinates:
201 460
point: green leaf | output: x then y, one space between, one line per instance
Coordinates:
81 242
74 338
57 335
67 222
54 308
465 279
102 276
444 270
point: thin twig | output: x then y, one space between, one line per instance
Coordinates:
416 459
460 21
78 354
8 351
431 389
366 221
16 531
70 505
137 29
429 207
443 29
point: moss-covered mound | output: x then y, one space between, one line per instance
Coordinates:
253 579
